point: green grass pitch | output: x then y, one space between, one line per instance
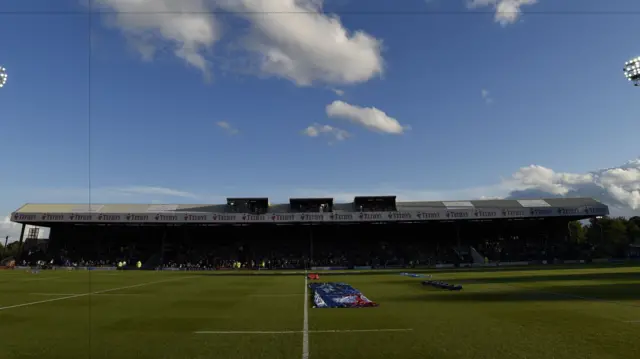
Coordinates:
560 313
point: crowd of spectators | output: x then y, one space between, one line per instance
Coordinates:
297 247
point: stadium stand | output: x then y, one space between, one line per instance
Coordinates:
375 232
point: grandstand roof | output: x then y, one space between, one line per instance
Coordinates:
45 214
284 208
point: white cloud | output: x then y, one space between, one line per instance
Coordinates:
507 11
486 96
227 127
618 187
292 39
368 117
185 26
338 92
334 133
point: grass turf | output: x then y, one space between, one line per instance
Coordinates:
577 312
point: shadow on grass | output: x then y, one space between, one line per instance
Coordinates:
549 267
440 273
593 293
615 277
287 273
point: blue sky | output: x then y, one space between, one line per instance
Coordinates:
137 102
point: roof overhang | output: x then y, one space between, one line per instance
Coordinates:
46 215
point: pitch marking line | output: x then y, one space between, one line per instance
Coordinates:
36 279
72 294
274 295
92 293
361 330
302 331
305 323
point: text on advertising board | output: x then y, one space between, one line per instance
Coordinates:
541 212
195 217
24 217
341 216
254 217
513 213
162 217
203 217
595 211
224 217
458 214
311 217
399 215
370 216
428 215
52 217
484 213
283 217
81 217
138 217
109 217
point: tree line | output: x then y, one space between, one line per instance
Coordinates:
606 236
11 250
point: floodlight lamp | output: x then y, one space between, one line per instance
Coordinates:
632 70
3 76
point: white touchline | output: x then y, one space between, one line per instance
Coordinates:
45 278
300 331
361 330
305 325
86 294
249 332
100 294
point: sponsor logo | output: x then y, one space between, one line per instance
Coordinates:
481 213
80 217
24 217
195 217
253 217
137 217
283 217
568 211
451 214
166 217
594 210
311 217
109 217
428 215
370 216
224 217
399 215
541 212
52 217
513 213
341 217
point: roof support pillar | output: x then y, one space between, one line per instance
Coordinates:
21 243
